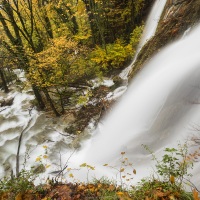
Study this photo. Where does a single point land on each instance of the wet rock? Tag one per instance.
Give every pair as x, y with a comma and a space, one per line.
118, 81
71, 129
7, 166
6, 102
39, 169
175, 2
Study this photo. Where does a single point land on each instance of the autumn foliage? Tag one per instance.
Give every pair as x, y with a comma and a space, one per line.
61, 45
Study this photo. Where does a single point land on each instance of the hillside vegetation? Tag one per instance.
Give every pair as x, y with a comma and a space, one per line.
61, 45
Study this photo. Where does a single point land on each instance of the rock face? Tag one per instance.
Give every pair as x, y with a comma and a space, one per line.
175, 1
178, 16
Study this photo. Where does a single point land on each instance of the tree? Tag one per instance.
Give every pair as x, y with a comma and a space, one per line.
61, 66
3, 79
6, 65
53, 40
17, 32
111, 20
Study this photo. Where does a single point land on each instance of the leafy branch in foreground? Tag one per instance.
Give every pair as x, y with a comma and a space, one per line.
174, 164
124, 171
15, 186
172, 170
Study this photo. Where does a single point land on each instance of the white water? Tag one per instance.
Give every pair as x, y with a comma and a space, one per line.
152, 21
149, 31
13, 120
37, 130
160, 109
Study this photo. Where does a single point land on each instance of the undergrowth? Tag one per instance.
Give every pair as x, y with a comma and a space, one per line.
167, 182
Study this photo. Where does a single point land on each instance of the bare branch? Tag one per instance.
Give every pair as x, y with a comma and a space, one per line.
19, 145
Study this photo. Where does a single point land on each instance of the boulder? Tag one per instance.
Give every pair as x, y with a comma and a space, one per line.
7, 102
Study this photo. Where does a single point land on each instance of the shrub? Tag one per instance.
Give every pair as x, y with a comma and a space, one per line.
172, 170
17, 184
136, 36
113, 57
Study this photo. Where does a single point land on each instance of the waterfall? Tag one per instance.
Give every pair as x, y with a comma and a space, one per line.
149, 31
152, 21
15, 118
160, 108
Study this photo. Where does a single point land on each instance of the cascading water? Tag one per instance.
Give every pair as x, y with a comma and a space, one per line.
38, 130
160, 109
152, 22
21, 118
149, 31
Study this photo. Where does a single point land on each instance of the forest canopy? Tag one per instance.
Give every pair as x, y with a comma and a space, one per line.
61, 44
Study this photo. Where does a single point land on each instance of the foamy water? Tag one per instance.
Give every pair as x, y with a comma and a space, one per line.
160, 109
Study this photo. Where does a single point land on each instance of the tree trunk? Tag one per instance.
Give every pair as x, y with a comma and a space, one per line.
51, 102
38, 97
74, 22
19, 146
61, 101
6, 90
93, 26
48, 27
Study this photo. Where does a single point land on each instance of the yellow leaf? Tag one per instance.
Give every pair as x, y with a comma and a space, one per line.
123, 153
134, 171
91, 167
71, 175
172, 179
99, 185
171, 197
38, 159
83, 165
18, 197
120, 193
122, 169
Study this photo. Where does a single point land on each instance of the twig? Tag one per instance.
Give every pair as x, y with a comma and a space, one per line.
3, 109
65, 166
19, 145
192, 184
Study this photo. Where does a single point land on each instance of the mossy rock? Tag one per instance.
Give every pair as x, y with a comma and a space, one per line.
71, 129
117, 82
